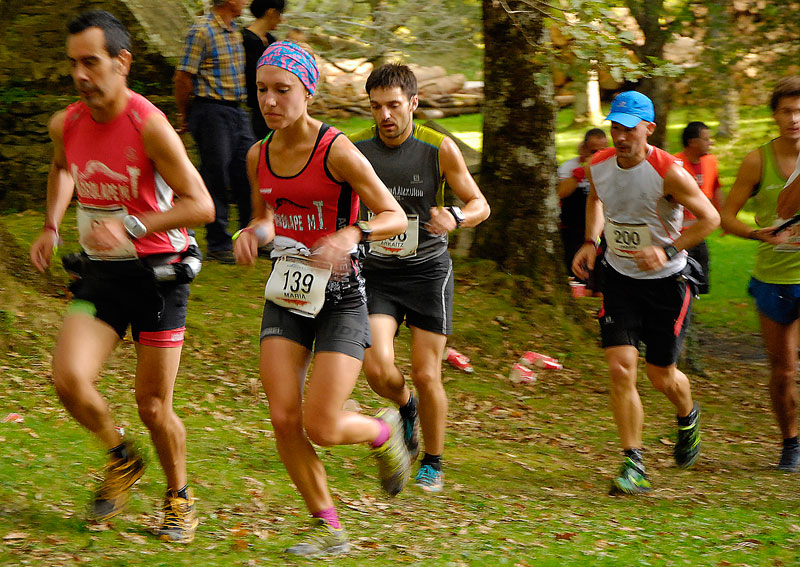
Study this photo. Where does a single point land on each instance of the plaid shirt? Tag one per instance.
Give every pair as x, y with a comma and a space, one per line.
214, 54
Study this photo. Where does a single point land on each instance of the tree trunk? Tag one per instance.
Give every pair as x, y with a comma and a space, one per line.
729, 115
595, 112
581, 105
649, 14
518, 168
656, 88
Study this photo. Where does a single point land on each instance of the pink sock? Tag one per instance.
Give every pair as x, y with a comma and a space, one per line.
330, 516
383, 435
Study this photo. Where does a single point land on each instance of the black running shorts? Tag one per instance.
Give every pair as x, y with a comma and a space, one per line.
655, 312
422, 295
127, 293
334, 329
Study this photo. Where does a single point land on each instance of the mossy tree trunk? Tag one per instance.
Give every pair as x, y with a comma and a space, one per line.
518, 169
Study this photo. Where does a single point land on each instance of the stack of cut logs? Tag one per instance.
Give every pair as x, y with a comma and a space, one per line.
341, 92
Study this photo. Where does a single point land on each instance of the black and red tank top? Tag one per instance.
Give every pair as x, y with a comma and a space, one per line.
312, 204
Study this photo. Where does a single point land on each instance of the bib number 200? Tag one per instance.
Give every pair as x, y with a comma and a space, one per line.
626, 238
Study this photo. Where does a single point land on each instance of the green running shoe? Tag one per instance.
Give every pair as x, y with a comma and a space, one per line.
429, 479
323, 539
180, 518
119, 475
687, 449
631, 479
394, 467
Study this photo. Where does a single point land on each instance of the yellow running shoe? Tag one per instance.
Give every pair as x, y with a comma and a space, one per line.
323, 539
394, 466
119, 475
180, 519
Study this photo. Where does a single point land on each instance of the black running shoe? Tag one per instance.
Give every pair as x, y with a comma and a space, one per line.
411, 433
687, 449
790, 459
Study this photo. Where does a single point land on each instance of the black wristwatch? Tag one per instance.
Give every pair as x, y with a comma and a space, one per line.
670, 251
366, 230
457, 214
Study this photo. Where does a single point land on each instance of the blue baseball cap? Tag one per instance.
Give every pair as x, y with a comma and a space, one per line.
630, 108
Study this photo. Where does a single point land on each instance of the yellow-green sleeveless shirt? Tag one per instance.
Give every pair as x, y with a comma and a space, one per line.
771, 266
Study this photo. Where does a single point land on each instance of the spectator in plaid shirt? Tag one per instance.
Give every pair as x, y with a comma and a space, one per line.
210, 91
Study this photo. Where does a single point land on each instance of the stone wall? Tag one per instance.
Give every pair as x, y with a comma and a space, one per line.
35, 80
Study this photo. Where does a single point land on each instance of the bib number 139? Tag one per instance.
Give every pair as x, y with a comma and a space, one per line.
298, 285
294, 281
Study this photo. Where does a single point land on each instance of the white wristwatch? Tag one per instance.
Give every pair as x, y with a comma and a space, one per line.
135, 227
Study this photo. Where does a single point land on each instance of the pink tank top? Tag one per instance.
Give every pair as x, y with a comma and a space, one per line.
112, 172
311, 204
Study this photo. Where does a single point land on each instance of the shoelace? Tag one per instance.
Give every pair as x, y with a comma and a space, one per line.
115, 479
427, 474
175, 510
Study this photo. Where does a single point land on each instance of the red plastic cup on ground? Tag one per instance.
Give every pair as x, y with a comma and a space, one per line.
521, 374
541, 361
579, 289
458, 360
12, 418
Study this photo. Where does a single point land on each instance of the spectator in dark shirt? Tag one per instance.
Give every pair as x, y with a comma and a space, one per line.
256, 36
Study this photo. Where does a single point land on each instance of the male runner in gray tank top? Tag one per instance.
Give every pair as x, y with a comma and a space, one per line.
410, 277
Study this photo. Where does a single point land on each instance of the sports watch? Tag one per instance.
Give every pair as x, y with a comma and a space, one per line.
366, 230
457, 214
670, 251
135, 227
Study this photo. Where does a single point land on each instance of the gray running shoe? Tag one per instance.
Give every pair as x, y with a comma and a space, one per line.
394, 467
323, 539
119, 475
790, 459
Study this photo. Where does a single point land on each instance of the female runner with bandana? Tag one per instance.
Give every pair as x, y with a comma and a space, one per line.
307, 179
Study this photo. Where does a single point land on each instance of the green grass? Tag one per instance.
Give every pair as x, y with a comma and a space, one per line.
527, 466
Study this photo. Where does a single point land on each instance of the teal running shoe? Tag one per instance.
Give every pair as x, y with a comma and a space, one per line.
429, 479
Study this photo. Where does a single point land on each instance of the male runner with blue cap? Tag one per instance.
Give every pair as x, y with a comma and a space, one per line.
636, 199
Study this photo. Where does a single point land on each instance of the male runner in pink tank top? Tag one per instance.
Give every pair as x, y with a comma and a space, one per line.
124, 159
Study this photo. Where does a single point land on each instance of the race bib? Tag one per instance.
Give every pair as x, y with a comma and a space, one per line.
298, 285
88, 217
793, 244
403, 245
625, 239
